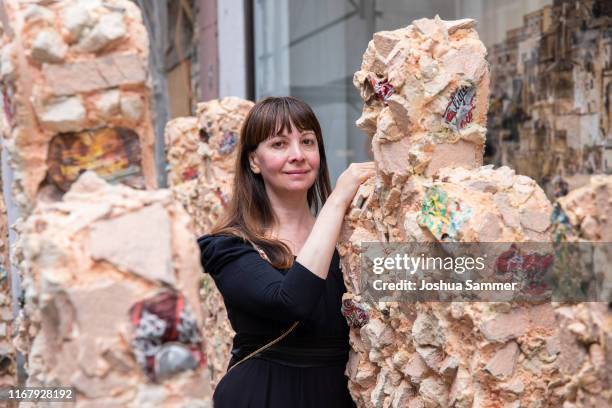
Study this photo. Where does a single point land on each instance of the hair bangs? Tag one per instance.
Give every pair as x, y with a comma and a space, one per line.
288, 113
250, 213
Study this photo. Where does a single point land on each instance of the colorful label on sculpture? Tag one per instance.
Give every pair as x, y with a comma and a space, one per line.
460, 108
442, 215
166, 338
228, 143
562, 228
190, 173
113, 153
382, 89
355, 314
528, 267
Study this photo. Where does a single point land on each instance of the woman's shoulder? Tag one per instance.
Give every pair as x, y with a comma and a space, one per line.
219, 240
216, 250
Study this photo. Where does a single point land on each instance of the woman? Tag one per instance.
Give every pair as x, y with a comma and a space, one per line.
281, 179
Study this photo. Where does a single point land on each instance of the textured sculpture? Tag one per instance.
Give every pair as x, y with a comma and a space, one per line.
425, 92
587, 210
201, 154
111, 295
8, 368
74, 80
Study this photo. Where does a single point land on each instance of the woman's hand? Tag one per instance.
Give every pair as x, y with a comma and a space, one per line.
349, 181
317, 251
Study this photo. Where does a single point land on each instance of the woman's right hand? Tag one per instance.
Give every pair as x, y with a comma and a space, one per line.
317, 251
349, 181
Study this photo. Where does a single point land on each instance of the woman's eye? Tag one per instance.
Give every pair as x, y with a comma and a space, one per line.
309, 142
278, 144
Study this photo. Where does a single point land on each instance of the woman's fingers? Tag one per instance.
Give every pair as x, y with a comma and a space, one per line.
365, 170
366, 175
349, 181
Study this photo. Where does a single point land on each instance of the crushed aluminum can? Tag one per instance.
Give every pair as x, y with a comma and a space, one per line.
382, 89
355, 314
529, 268
458, 113
173, 358
442, 215
190, 173
162, 323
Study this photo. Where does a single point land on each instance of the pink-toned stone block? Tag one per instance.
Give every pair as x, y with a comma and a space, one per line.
425, 92
75, 73
111, 298
425, 86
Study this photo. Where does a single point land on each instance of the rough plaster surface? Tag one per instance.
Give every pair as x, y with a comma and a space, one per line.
8, 369
69, 67
469, 354
91, 259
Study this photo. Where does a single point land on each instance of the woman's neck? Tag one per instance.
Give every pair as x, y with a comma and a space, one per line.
294, 219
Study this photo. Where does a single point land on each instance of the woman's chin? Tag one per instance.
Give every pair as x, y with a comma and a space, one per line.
297, 188
294, 187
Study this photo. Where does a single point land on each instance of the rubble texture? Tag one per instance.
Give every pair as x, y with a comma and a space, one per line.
8, 369
412, 77
74, 81
201, 155
588, 210
201, 152
460, 354
550, 104
111, 296
583, 215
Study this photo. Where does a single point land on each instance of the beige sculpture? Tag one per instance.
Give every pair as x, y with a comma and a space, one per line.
74, 79
412, 77
8, 368
588, 209
112, 298
201, 154
425, 89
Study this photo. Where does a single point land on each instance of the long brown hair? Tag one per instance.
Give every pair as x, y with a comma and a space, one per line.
250, 213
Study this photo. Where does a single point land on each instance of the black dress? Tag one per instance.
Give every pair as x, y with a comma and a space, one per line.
306, 368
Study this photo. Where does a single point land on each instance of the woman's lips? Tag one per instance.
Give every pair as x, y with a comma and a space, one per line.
297, 172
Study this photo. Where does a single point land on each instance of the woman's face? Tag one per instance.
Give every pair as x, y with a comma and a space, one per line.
288, 161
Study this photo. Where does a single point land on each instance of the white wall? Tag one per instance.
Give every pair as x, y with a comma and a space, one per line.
272, 75
232, 48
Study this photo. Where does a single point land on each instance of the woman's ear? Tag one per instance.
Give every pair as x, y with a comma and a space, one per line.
254, 163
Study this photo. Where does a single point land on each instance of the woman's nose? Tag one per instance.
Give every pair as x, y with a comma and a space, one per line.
295, 152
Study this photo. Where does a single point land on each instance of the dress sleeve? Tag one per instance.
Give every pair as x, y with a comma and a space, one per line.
250, 283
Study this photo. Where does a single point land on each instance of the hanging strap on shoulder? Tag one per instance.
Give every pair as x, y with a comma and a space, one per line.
270, 344
263, 254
